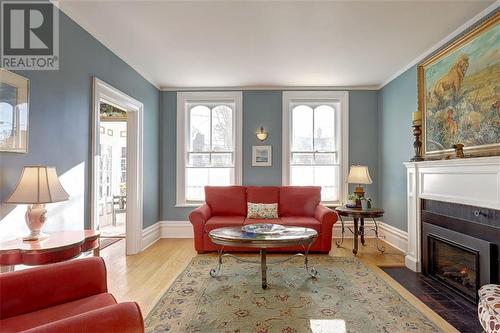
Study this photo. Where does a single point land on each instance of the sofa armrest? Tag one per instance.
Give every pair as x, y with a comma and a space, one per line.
198, 218
117, 318
45, 286
327, 218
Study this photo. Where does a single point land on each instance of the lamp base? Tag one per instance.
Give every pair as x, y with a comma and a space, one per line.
35, 217
35, 237
360, 193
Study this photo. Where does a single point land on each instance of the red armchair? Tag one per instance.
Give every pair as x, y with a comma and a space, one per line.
65, 297
297, 206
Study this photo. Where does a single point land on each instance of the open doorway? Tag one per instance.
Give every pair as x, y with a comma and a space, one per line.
116, 190
112, 192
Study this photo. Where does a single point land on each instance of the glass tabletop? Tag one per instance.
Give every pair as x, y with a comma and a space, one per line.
290, 234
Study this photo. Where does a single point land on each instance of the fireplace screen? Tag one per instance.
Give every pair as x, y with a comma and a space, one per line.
454, 265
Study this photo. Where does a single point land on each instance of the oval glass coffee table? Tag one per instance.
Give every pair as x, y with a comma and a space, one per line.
291, 236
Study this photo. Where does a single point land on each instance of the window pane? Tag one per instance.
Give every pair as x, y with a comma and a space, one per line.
199, 131
324, 128
327, 178
196, 179
302, 128
198, 160
325, 158
301, 175
220, 176
219, 160
301, 158
222, 128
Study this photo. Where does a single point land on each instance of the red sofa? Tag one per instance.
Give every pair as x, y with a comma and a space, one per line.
297, 206
65, 297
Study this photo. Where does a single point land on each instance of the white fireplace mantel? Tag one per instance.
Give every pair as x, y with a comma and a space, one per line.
469, 181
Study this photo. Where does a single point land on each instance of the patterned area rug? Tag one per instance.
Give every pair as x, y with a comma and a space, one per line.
346, 297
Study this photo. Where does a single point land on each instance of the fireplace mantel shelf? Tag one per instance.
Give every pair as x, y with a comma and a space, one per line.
468, 181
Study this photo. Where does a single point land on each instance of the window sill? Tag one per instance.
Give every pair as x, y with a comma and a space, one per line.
188, 205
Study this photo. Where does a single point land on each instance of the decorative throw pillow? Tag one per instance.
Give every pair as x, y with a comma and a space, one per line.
262, 211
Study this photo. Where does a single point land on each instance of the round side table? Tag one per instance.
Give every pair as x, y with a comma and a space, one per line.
359, 215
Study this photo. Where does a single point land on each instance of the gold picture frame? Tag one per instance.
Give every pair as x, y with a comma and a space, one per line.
459, 94
14, 112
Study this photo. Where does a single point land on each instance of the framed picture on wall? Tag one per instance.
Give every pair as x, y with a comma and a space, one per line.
14, 103
262, 156
458, 92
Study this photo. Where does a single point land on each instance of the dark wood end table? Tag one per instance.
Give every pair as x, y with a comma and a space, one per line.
359, 215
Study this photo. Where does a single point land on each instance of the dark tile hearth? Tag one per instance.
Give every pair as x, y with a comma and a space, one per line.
456, 310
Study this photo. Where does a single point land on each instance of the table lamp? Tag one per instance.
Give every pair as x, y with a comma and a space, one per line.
359, 174
38, 185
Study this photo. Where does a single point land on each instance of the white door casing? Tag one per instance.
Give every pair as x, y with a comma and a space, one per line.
135, 115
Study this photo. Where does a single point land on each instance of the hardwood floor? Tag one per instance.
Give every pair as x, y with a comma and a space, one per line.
145, 277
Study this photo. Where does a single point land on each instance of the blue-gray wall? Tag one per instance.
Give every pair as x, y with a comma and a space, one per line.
397, 101
60, 116
264, 108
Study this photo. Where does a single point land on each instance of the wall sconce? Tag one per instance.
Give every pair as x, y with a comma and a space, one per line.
262, 135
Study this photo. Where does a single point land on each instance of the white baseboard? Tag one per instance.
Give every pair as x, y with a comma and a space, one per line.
150, 235
183, 229
393, 236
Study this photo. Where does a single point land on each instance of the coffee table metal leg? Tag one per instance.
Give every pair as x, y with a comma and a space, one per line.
263, 267
310, 270
215, 271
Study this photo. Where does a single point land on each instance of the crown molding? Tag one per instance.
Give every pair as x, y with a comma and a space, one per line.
490, 9
240, 88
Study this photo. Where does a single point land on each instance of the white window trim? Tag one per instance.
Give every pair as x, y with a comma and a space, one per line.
341, 97
183, 98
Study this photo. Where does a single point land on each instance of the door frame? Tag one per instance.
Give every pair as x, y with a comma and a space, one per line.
135, 120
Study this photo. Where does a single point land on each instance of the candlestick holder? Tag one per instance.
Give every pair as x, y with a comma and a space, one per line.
417, 145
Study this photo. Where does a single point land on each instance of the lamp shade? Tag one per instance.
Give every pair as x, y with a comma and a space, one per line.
359, 174
38, 185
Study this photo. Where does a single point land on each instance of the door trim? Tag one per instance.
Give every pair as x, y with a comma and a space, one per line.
135, 119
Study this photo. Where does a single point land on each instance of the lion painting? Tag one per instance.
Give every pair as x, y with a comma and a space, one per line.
453, 80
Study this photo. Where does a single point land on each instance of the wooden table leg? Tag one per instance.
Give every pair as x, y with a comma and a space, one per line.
263, 267
356, 233
97, 251
362, 230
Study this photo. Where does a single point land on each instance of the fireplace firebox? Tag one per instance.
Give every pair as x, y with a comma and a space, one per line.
460, 251
454, 265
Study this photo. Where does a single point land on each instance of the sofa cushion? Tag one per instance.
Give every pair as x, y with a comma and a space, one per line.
61, 311
301, 221
298, 200
226, 200
263, 194
262, 210
223, 221
254, 221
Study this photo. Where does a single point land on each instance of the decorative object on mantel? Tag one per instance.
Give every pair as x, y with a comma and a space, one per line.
459, 150
458, 93
359, 174
261, 134
38, 185
14, 101
417, 131
262, 156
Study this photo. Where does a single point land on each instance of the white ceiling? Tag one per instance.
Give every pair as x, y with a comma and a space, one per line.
188, 44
